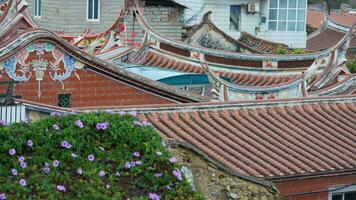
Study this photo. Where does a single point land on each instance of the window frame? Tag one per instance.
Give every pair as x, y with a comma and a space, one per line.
93, 11
343, 190
296, 21
239, 21
37, 8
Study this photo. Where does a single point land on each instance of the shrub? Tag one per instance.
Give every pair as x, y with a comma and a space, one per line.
351, 65
88, 156
298, 51
281, 50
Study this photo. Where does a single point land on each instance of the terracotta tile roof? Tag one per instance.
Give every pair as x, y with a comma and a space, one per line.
272, 139
315, 18
157, 60
259, 45
325, 39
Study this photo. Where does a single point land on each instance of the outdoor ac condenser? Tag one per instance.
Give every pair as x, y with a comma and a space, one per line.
253, 7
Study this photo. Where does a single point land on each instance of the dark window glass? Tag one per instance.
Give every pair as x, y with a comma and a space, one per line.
337, 197
235, 12
90, 9
64, 100
96, 9
350, 196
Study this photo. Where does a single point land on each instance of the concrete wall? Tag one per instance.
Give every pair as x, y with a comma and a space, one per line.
221, 17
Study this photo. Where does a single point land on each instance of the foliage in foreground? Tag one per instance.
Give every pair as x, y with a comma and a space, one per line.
88, 156
351, 65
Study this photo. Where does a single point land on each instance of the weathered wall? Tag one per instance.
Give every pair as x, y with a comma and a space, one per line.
70, 17
312, 188
219, 185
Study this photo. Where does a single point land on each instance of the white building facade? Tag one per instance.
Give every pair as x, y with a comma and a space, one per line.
282, 21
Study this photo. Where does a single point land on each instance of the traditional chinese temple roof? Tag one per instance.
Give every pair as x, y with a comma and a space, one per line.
15, 44
246, 41
273, 139
316, 18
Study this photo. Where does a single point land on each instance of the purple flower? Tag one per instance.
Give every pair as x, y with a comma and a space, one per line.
122, 113
158, 153
74, 155
66, 144
2, 196
110, 111
136, 154
14, 172
29, 143
101, 173
80, 171
46, 170
172, 160
133, 113
55, 127
54, 114
23, 165
108, 186
55, 163
128, 165
102, 126
23, 182
154, 196
177, 174
2, 122
138, 162
46, 164
12, 152
158, 175
91, 157
79, 124
21, 159
61, 188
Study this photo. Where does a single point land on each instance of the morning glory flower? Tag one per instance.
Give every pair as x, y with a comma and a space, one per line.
172, 160
79, 124
133, 113
55, 163
2, 196
91, 157
66, 144
46, 170
23, 165
108, 186
14, 172
177, 174
61, 188
136, 154
54, 114
102, 126
12, 152
128, 165
29, 143
22, 182
122, 113
55, 127
21, 159
101, 173
154, 196
138, 162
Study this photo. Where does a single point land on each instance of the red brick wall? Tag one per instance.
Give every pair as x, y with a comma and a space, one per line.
91, 90
319, 185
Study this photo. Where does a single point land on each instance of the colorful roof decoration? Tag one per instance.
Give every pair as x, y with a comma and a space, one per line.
267, 139
207, 34
42, 54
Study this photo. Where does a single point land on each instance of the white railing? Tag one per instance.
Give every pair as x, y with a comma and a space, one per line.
12, 114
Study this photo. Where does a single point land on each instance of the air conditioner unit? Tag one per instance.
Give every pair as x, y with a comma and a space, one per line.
253, 7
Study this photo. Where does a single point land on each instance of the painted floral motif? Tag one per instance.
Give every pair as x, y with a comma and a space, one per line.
59, 66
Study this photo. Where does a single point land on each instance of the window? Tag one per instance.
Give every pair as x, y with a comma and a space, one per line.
93, 10
287, 15
38, 10
235, 12
64, 100
344, 193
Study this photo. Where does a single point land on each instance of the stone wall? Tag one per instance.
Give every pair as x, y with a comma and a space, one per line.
217, 184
